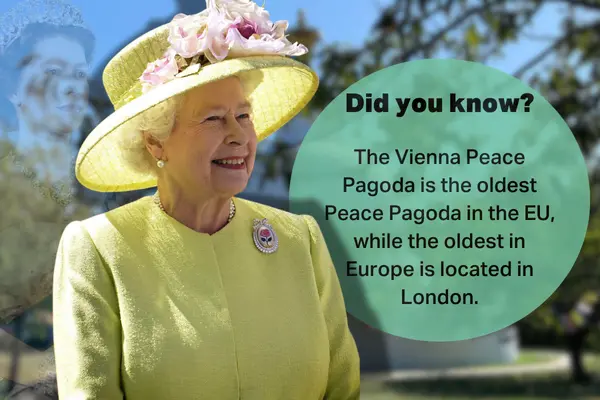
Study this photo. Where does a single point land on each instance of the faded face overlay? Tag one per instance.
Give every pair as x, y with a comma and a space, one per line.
52, 92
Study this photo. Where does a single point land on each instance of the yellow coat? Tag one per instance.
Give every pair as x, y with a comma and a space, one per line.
146, 308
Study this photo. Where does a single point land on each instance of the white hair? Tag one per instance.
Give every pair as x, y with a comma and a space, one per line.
157, 121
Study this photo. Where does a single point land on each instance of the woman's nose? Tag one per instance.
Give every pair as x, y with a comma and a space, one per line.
236, 134
73, 88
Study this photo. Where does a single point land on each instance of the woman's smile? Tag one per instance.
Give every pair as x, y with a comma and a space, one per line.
230, 163
241, 275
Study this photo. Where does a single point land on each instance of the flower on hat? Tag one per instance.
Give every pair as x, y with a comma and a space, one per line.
185, 37
161, 70
226, 27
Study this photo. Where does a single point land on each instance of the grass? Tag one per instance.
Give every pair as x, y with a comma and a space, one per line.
532, 357
547, 386
525, 358
544, 386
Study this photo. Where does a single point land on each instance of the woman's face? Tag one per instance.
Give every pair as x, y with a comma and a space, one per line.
213, 144
53, 89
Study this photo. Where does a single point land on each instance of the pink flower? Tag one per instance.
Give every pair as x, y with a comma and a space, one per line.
245, 27
217, 48
160, 71
253, 33
265, 233
187, 35
246, 9
234, 28
255, 44
262, 44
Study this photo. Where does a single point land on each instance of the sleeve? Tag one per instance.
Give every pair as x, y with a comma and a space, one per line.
87, 335
344, 369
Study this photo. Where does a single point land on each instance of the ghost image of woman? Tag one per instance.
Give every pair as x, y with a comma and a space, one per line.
50, 96
45, 51
45, 93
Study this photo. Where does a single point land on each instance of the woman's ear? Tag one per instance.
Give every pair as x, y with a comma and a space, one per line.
154, 146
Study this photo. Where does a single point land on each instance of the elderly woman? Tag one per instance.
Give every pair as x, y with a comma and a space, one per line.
194, 293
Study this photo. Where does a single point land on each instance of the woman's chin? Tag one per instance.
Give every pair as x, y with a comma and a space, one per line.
230, 187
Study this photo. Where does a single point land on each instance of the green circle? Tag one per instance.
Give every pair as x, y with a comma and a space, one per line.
476, 305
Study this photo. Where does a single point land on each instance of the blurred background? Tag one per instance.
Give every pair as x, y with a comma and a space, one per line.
553, 45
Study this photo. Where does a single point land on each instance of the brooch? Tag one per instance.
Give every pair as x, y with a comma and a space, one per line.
264, 236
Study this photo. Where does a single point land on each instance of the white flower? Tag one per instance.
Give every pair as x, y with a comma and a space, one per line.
251, 31
262, 44
160, 71
187, 34
246, 9
217, 47
227, 27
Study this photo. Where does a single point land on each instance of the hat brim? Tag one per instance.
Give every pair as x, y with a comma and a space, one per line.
277, 94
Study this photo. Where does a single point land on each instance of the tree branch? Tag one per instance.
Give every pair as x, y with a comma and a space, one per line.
519, 30
539, 57
593, 4
540, 38
429, 44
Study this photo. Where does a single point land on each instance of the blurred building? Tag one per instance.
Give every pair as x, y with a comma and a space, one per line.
497, 348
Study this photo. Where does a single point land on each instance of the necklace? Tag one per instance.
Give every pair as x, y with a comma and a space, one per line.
229, 218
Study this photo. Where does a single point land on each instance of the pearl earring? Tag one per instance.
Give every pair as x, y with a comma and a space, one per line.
160, 163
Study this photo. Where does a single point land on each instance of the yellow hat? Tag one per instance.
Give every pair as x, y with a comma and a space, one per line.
230, 37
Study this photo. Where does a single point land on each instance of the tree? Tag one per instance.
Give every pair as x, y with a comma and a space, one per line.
34, 215
565, 69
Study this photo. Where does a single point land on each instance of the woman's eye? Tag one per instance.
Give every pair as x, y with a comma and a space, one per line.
244, 116
213, 118
52, 71
81, 75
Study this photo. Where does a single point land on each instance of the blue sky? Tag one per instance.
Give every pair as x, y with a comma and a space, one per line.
347, 21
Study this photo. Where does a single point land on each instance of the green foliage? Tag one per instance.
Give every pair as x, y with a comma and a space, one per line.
565, 69
472, 36
31, 223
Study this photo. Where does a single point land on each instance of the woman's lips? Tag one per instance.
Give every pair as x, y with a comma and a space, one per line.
231, 163
72, 108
